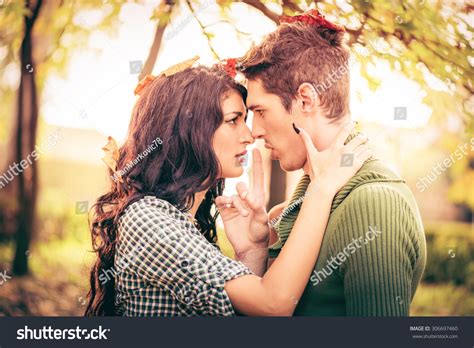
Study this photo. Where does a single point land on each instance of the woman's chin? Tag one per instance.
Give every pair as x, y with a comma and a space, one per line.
233, 172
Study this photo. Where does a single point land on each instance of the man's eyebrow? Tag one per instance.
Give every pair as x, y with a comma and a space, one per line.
252, 107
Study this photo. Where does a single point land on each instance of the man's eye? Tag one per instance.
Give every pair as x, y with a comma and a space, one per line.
260, 112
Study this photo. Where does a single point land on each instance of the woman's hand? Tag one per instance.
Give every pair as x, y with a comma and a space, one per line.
244, 216
333, 167
278, 291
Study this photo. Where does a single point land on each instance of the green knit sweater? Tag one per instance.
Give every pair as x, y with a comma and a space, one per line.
373, 252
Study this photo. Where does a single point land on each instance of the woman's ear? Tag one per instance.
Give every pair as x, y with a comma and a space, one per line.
307, 98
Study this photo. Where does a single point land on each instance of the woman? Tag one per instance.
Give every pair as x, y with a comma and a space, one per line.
155, 229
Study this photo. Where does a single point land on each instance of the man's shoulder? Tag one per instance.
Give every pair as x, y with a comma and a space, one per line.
380, 196
371, 180
382, 204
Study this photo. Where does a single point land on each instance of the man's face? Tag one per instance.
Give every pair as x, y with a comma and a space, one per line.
273, 123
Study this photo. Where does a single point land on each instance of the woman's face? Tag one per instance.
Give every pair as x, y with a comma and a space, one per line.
232, 137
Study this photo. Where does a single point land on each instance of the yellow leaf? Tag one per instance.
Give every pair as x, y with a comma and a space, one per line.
180, 66
111, 154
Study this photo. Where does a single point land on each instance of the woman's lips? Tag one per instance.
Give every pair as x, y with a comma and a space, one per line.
243, 153
242, 158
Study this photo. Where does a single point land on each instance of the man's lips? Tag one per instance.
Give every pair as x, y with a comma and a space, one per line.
273, 153
268, 147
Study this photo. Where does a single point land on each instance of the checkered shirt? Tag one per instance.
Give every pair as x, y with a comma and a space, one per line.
165, 267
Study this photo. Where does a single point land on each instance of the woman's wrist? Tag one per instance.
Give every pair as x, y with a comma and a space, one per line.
322, 187
253, 248
251, 253
254, 259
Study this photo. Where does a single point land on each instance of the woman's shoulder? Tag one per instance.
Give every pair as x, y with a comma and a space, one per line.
151, 211
152, 205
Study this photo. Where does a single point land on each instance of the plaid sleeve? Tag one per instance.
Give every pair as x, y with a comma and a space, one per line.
170, 253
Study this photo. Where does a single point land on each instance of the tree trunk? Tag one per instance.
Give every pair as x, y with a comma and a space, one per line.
27, 120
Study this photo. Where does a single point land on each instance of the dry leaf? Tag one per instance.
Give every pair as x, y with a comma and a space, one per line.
180, 66
111, 154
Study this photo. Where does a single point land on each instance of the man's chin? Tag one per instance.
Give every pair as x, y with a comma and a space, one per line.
288, 167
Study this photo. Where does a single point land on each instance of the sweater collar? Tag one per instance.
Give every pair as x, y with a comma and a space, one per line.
373, 170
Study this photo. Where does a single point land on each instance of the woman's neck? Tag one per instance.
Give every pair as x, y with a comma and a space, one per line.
198, 198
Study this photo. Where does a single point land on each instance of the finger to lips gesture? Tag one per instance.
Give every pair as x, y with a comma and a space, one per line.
246, 200
244, 216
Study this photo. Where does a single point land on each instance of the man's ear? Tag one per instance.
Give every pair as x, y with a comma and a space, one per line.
307, 98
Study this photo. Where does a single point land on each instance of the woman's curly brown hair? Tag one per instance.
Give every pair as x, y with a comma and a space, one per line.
183, 111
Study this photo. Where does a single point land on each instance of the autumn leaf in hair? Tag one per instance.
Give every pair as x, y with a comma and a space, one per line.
180, 66
312, 17
229, 65
168, 72
111, 156
143, 83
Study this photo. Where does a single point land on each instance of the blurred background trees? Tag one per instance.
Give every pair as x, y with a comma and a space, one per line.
428, 42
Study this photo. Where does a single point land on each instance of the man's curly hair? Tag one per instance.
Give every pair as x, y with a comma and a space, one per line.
296, 53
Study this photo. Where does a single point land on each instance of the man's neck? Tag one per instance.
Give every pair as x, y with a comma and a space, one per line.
306, 168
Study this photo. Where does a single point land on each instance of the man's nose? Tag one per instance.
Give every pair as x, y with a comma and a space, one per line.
257, 130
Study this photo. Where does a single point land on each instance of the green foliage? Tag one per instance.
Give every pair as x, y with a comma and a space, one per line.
461, 173
442, 300
433, 37
61, 28
450, 247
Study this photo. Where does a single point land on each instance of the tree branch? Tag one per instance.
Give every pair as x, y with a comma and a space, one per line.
231, 24
30, 21
290, 5
48, 56
155, 46
203, 28
262, 8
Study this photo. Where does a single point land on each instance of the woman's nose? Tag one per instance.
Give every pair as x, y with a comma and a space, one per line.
247, 136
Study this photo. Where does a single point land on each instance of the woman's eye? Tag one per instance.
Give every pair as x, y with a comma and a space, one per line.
233, 121
260, 112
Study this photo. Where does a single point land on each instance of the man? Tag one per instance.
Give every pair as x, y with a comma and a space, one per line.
374, 249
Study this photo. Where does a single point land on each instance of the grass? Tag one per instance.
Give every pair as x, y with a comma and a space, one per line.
442, 300
59, 265
57, 284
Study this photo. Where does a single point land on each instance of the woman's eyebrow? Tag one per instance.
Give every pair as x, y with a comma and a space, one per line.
238, 113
